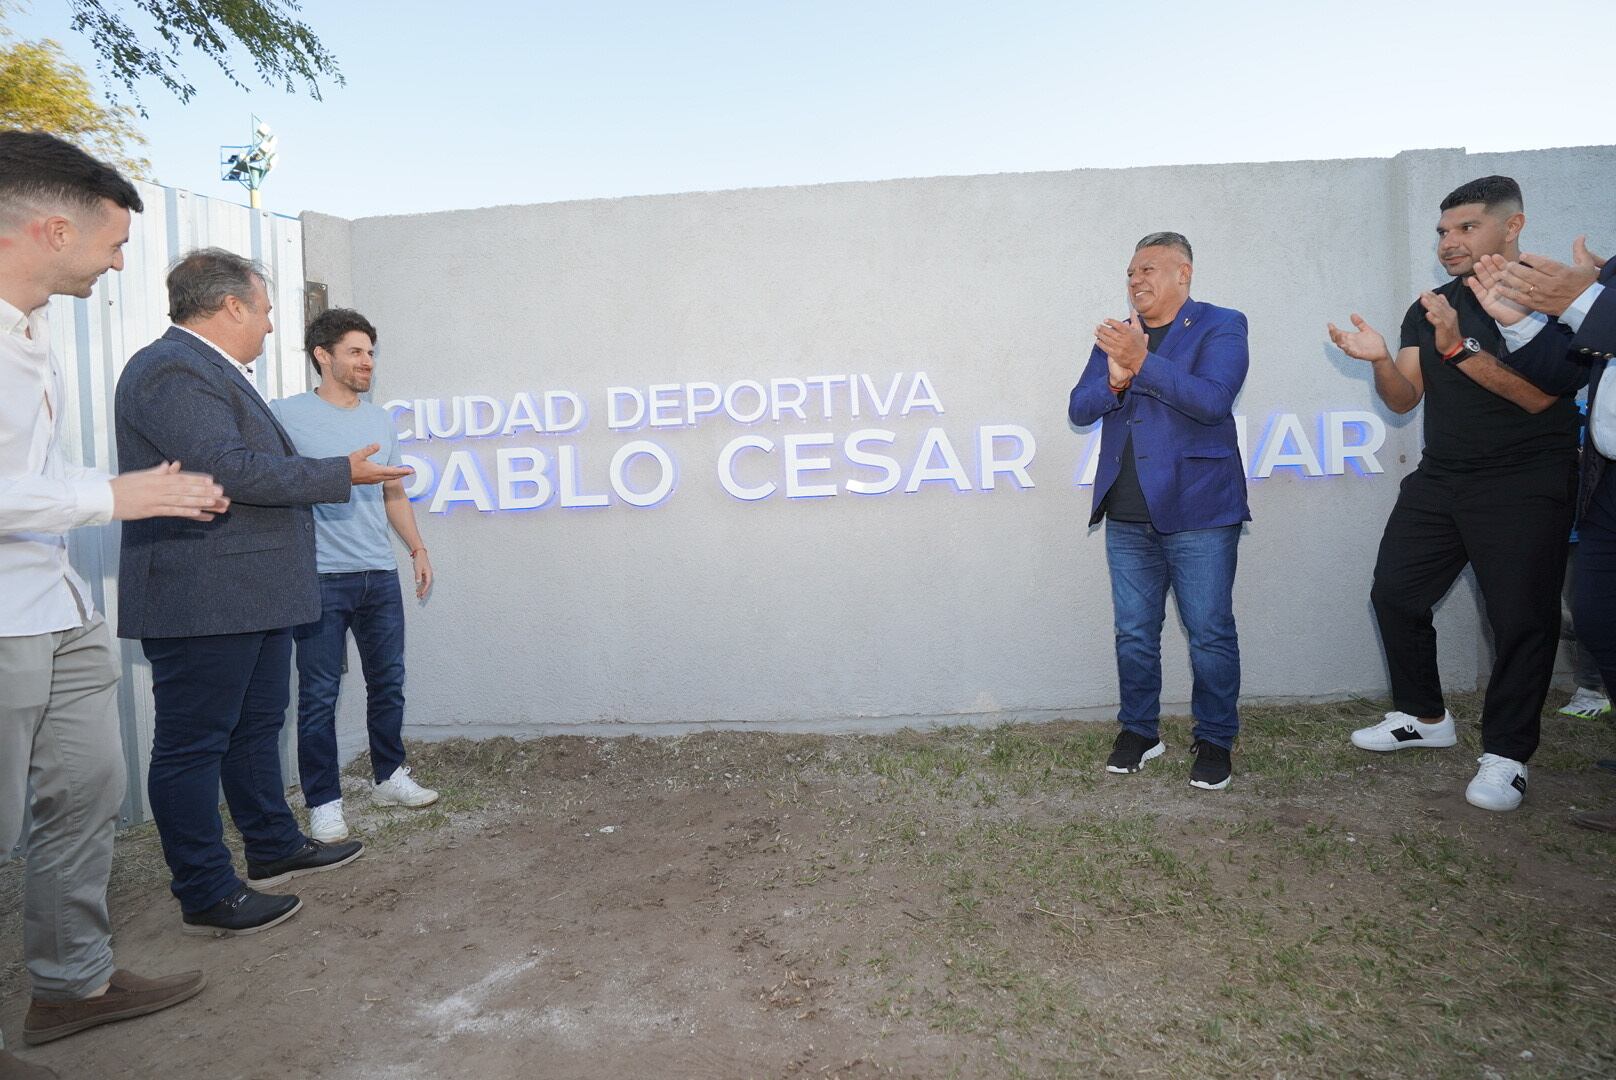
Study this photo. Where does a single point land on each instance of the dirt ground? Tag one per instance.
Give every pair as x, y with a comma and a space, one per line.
960, 903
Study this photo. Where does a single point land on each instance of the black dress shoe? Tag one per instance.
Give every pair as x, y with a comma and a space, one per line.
242, 912
310, 859
1608, 764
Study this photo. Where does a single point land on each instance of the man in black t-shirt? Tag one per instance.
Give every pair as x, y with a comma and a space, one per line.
1494, 489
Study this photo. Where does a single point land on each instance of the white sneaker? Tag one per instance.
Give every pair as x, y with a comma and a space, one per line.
326, 823
1499, 783
1586, 704
1400, 731
400, 790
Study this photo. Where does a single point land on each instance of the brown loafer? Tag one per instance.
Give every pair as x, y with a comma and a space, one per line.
1602, 820
12, 1068
127, 995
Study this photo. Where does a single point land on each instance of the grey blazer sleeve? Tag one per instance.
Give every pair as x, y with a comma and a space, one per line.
190, 420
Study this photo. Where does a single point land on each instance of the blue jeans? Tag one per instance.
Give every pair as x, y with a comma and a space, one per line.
220, 702
1199, 564
370, 603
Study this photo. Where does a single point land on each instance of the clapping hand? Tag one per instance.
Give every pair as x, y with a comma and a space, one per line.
1540, 283
1125, 346
1487, 285
1440, 314
1364, 343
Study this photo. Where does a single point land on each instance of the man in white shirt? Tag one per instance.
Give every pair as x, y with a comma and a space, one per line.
64, 218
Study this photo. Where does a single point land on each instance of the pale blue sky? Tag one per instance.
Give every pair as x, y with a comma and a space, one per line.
480, 103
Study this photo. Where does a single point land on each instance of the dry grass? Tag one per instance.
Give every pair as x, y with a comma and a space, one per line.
1333, 913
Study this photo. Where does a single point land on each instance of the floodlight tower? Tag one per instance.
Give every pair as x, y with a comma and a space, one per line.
248, 165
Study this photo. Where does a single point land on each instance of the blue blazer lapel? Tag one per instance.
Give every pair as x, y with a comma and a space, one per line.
1183, 323
232, 371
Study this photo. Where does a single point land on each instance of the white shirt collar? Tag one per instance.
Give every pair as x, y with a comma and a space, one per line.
22, 323
246, 368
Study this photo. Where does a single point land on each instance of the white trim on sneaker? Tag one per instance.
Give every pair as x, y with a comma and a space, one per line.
1500, 783
1400, 731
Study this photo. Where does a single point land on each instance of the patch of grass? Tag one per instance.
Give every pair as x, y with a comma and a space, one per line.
1356, 937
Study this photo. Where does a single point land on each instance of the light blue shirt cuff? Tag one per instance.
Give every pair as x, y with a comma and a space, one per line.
1520, 333
1579, 308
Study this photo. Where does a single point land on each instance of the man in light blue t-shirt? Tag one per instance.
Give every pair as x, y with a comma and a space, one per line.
359, 588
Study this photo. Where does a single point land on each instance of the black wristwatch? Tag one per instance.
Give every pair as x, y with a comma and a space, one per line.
1467, 348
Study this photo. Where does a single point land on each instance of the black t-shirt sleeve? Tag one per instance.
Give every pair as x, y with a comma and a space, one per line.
1413, 322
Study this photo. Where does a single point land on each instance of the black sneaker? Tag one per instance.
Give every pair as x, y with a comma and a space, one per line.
311, 859
242, 912
1211, 769
1130, 752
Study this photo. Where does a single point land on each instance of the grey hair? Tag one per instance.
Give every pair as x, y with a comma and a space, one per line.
201, 280
1172, 240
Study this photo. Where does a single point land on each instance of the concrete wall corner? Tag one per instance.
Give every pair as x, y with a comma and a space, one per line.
328, 255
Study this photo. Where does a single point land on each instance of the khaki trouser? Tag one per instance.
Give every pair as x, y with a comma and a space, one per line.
59, 730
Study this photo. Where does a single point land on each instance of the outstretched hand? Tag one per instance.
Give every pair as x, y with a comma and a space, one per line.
1364, 343
165, 491
361, 470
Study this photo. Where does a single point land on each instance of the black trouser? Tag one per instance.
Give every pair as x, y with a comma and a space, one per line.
1593, 601
1513, 527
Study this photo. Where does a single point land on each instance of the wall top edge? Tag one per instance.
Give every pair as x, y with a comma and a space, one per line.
945, 178
185, 193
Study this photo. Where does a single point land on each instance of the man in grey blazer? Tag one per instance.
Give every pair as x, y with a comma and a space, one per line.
213, 603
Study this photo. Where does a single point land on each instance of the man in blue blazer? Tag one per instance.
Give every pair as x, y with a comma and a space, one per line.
1580, 299
1172, 489
213, 603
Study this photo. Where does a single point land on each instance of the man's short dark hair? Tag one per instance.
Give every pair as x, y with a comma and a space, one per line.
330, 327
1492, 192
1172, 240
39, 172
201, 281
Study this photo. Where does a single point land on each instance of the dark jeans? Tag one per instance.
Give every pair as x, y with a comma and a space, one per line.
220, 701
371, 604
1593, 606
1584, 668
1199, 565
1513, 528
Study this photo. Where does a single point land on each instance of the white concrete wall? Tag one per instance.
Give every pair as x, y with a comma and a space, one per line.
859, 611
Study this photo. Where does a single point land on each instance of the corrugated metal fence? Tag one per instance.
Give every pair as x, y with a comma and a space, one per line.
94, 338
